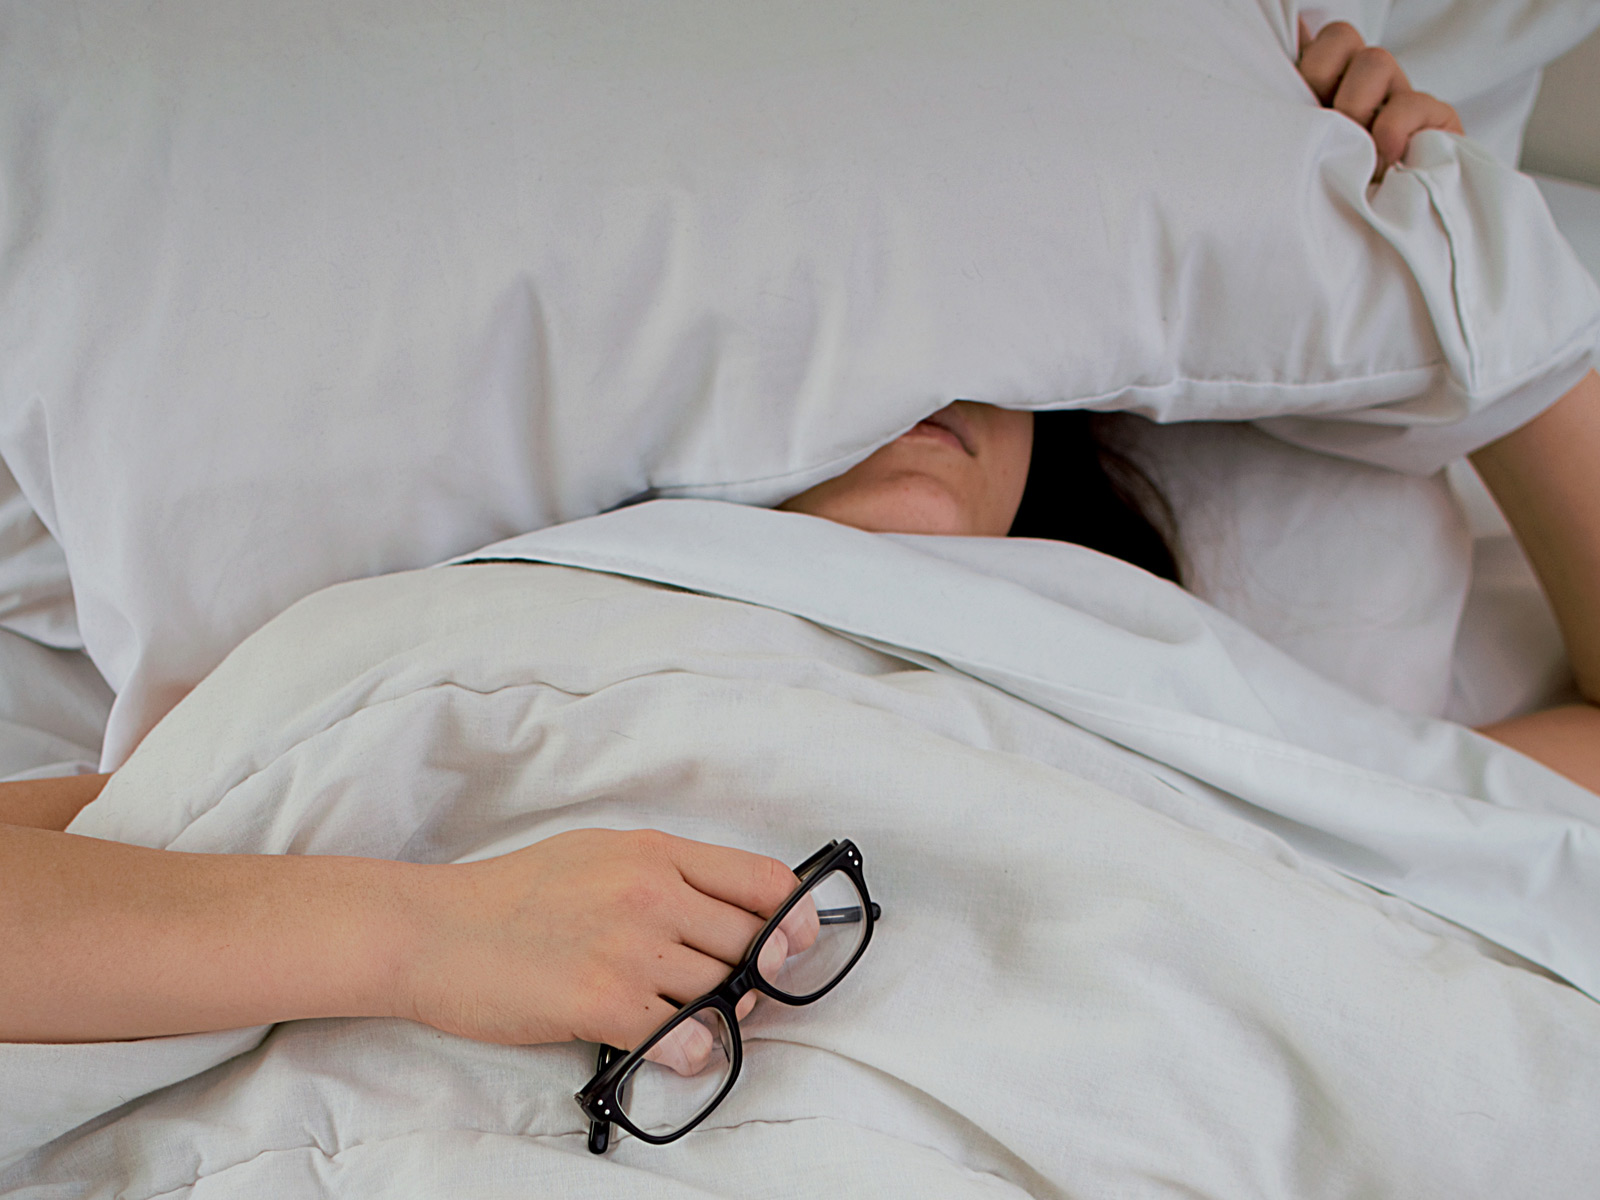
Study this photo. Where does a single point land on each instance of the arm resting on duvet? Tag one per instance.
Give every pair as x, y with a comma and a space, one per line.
48, 803
1546, 478
102, 940
590, 934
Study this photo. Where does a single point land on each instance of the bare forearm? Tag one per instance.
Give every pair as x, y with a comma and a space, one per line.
589, 934
1546, 478
106, 941
48, 803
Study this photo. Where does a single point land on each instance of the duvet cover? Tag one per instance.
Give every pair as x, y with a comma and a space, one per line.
1102, 968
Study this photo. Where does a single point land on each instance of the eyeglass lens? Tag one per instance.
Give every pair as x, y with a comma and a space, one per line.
823, 932
683, 1075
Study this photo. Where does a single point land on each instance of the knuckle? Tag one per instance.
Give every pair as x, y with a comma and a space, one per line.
1397, 122
648, 843
1390, 116
1341, 33
777, 881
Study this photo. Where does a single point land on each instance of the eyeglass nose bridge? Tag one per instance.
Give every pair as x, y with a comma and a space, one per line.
743, 983
751, 979
728, 995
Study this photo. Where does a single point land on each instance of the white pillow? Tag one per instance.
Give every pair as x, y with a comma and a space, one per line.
53, 705
1357, 571
297, 292
35, 588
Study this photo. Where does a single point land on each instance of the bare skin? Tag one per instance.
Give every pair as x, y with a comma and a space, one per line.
1543, 477
1366, 84
960, 472
48, 803
594, 934
590, 934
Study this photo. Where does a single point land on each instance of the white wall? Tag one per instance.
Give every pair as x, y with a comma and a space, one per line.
1564, 132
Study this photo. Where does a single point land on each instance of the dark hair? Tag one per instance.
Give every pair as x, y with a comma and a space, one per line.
1082, 488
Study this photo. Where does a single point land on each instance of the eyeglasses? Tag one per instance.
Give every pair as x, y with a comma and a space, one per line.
827, 922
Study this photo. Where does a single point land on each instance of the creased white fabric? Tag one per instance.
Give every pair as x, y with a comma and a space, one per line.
298, 293
1085, 982
1421, 808
53, 706
35, 588
1358, 572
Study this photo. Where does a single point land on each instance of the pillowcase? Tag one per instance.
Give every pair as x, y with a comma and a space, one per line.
303, 292
53, 705
35, 589
1359, 572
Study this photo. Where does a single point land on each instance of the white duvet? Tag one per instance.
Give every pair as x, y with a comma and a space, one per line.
1096, 973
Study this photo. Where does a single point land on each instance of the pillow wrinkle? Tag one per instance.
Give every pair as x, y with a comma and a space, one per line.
322, 294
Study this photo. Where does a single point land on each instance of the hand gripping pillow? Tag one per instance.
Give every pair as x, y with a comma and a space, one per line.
301, 292
1485, 57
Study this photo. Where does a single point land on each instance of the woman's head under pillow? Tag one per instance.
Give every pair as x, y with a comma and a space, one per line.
976, 470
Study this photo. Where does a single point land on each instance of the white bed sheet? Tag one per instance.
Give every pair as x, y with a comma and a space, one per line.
1196, 1007
1422, 809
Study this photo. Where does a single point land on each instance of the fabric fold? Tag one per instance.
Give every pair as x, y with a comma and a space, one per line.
1422, 809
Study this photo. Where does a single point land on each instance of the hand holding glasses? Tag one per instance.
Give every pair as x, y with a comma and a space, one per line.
670, 1082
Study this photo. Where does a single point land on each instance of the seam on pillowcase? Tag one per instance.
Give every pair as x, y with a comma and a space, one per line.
659, 490
1458, 302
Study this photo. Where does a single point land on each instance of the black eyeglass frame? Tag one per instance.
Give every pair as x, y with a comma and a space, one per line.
598, 1098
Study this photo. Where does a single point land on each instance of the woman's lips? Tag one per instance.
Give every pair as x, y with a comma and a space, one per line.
946, 427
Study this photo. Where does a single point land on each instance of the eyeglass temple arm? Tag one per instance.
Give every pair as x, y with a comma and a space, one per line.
845, 916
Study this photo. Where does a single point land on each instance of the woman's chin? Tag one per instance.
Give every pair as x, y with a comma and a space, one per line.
907, 504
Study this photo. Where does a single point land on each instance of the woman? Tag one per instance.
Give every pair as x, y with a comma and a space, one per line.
593, 934
1047, 475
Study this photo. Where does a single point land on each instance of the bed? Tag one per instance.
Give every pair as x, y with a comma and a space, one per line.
1250, 919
